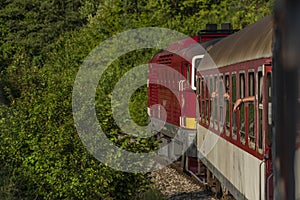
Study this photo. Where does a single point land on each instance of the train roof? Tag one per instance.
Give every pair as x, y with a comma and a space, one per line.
188, 52
198, 48
251, 43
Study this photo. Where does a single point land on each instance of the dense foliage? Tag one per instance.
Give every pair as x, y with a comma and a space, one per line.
42, 45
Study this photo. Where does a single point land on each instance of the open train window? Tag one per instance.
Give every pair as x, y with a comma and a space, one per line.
221, 103
233, 99
215, 102
198, 94
260, 111
242, 109
227, 102
269, 109
202, 98
202, 94
211, 102
251, 111
207, 101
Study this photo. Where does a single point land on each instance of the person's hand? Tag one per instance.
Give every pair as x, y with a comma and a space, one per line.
214, 94
237, 104
227, 96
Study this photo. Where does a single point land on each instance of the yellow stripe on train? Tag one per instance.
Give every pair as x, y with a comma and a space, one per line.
190, 123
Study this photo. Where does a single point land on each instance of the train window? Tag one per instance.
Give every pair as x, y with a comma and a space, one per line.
260, 87
198, 94
202, 100
251, 84
211, 102
242, 109
227, 101
196, 62
251, 111
198, 91
188, 74
194, 78
211, 86
202, 88
242, 85
207, 100
233, 99
269, 109
215, 102
221, 103
260, 111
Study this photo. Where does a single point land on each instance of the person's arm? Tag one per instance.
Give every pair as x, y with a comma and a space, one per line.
242, 100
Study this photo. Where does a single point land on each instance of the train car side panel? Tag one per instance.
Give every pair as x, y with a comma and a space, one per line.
236, 169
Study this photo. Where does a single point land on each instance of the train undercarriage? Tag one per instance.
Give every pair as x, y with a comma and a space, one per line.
184, 151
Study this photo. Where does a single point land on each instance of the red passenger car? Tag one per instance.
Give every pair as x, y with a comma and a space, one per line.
234, 127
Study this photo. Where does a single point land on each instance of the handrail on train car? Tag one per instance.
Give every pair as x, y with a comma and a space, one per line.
260, 177
268, 186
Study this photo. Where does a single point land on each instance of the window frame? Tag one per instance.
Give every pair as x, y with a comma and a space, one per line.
251, 139
242, 110
260, 110
232, 100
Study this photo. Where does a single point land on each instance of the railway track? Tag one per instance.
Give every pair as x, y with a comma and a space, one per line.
175, 184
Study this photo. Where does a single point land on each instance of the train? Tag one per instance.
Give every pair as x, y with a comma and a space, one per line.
224, 109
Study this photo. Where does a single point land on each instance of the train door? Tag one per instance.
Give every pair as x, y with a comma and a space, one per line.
184, 85
264, 129
197, 82
188, 97
188, 117
268, 130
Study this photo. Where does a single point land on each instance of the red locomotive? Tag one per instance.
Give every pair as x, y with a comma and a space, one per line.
181, 114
